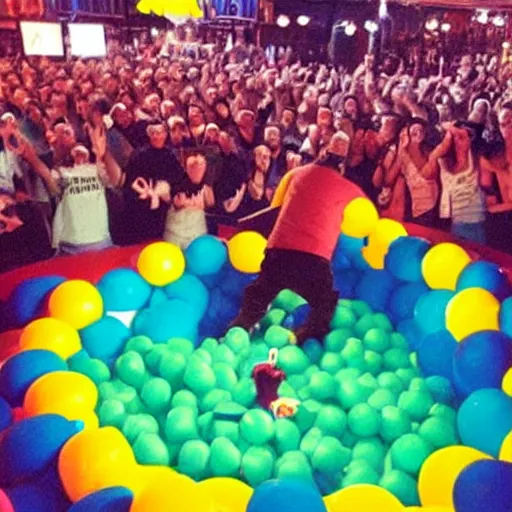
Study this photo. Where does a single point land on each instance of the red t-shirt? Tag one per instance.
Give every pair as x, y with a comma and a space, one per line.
312, 210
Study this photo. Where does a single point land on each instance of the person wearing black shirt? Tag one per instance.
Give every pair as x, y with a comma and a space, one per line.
135, 132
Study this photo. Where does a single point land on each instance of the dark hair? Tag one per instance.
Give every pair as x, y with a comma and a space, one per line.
101, 105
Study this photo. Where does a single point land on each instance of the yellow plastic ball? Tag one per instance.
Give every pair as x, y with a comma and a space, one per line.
472, 310
246, 251
77, 303
359, 218
374, 255
386, 231
506, 448
69, 394
506, 384
161, 263
94, 459
362, 498
429, 509
443, 264
228, 494
184, 495
51, 334
440, 471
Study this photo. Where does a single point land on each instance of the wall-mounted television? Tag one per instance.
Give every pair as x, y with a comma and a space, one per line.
87, 39
236, 8
42, 38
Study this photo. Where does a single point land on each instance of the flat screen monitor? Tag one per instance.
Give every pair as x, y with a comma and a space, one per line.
236, 8
87, 39
42, 38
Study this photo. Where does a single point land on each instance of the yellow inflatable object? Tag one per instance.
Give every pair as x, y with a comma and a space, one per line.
77, 303
161, 263
94, 459
69, 394
359, 218
506, 384
429, 509
228, 494
375, 255
174, 8
246, 251
363, 498
506, 448
443, 264
472, 310
51, 334
386, 231
440, 471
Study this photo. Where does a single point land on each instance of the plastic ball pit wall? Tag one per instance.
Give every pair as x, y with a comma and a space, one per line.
408, 405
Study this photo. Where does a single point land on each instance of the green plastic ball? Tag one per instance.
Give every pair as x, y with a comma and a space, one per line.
391, 381
409, 452
297, 381
349, 439
295, 469
149, 449
373, 362
95, 369
225, 376
394, 423
351, 392
258, 465
203, 355
193, 459
376, 339
331, 363
135, 424
199, 377
438, 433
353, 350
112, 413
310, 441
382, 322
371, 450
398, 341
311, 370
227, 429
156, 395
406, 375
441, 389
359, 472
214, 397
185, 347
307, 414
288, 301
401, 485
314, 351
335, 341
287, 436
363, 325
330, 456
140, 344
237, 339
180, 425
172, 368
416, 404
153, 357
363, 420
223, 354
209, 344
332, 421
130, 368
382, 397
225, 458
418, 384
205, 426
322, 386
244, 392
278, 337
445, 412
257, 427
273, 317
343, 317
292, 360
286, 391
361, 308
396, 358
185, 398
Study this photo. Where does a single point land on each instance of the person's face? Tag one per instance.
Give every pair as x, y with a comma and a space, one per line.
122, 117
212, 134
152, 103
211, 95
223, 89
178, 133
157, 136
226, 142
13, 80
176, 71
195, 116
288, 118
246, 119
222, 110
324, 118
58, 100
505, 122
196, 168
479, 113
65, 135
34, 114
262, 157
20, 96
168, 109
339, 146
127, 101
350, 108
389, 127
417, 133
461, 139
273, 138
311, 97
80, 156
110, 86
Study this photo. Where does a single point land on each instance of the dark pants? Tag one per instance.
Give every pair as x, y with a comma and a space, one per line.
306, 274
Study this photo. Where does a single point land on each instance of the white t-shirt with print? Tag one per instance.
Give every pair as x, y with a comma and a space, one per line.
9, 167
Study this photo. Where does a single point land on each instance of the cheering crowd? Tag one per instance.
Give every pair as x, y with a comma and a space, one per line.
154, 144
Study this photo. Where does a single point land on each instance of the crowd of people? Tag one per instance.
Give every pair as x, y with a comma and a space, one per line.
150, 144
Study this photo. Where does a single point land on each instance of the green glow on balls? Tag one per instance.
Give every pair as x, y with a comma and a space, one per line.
409, 452
363, 420
225, 458
258, 464
257, 427
151, 450
193, 459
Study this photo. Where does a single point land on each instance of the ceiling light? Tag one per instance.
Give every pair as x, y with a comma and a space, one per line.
350, 29
432, 24
154, 32
506, 45
498, 21
371, 26
482, 16
283, 21
383, 9
445, 27
303, 20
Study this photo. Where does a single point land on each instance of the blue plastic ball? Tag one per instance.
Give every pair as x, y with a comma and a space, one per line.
506, 316
105, 338
158, 296
345, 282
111, 499
286, 495
27, 299
375, 288
206, 255
22, 369
191, 290
404, 298
411, 332
405, 256
29, 446
486, 275
30, 497
297, 317
5, 414
429, 312
435, 354
346, 250
481, 361
484, 486
123, 289
171, 319
484, 420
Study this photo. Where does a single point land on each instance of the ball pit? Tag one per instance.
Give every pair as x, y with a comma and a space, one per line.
128, 396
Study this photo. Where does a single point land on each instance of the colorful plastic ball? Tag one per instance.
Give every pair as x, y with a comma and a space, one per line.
404, 299
246, 251
409, 452
430, 310
506, 316
95, 459
435, 354
481, 361
386, 231
33, 496
161, 263
76, 302
486, 275
257, 427
123, 289
286, 495
5, 502
443, 264
189, 289
22, 369
506, 383
401, 485
53, 335
405, 256
150, 449
409, 329
108, 328
374, 255
484, 420
228, 494
26, 301
472, 310
440, 472
345, 282
363, 498
375, 288
29, 446
359, 218
206, 255
69, 394
6, 414
483, 486
111, 499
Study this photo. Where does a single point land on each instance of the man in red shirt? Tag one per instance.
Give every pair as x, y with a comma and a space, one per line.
300, 247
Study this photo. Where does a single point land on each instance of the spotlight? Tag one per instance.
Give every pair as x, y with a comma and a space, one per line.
371, 26
303, 20
506, 45
432, 24
154, 32
498, 21
350, 29
383, 9
283, 21
482, 16
445, 27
